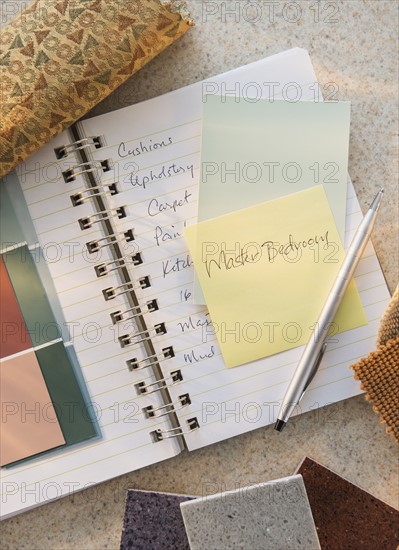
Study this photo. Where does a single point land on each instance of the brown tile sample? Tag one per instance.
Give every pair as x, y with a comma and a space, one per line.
345, 515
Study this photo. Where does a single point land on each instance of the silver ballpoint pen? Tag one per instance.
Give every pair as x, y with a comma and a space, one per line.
315, 348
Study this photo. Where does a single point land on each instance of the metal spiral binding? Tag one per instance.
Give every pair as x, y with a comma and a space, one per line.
87, 194
86, 168
97, 192
160, 435
135, 364
104, 268
150, 411
78, 145
111, 292
142, 387
129, 339
119, 316
110, 240
89, 221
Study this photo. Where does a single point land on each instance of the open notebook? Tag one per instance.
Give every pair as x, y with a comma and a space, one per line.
124, 279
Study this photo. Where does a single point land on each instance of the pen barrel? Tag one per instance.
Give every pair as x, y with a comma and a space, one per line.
352, 258
306, 366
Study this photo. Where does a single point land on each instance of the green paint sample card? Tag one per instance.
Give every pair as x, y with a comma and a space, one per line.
31, 295
74, 413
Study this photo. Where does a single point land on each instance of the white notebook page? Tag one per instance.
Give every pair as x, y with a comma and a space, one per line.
159, 188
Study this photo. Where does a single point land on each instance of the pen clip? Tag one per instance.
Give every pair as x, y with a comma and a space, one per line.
314, 369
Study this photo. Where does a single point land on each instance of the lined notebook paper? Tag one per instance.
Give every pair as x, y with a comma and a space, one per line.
152, 154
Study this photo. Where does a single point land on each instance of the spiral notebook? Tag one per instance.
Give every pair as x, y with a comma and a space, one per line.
109, 199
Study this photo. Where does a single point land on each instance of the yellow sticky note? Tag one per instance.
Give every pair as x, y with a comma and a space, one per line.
266, 272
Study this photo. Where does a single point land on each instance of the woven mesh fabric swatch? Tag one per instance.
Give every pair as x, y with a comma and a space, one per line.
379, 372
389, 327
59, 58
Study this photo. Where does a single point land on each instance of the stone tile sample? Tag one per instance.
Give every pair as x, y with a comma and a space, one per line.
271, 515
153, 520
345, 515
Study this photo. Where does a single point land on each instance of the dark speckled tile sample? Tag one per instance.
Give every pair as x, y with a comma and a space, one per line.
345, 515
153, 521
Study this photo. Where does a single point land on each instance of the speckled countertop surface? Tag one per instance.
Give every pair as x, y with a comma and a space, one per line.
358, 54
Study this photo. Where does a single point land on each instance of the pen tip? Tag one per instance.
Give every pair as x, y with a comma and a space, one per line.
377, 200
279, 425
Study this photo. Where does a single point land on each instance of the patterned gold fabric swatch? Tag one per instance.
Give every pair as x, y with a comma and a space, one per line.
379, 372
59, 58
